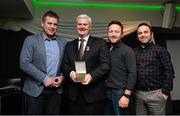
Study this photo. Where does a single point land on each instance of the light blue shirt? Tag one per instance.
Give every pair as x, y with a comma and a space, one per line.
52, 57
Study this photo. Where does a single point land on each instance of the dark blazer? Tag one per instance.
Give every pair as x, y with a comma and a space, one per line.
33, 63
97, 58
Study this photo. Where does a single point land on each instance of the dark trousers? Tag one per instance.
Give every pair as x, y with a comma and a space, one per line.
112, 108
81, 107
47, 103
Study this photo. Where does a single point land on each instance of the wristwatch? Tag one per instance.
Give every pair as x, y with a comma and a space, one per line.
126, 95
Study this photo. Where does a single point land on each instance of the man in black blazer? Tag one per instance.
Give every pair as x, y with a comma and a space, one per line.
86, 97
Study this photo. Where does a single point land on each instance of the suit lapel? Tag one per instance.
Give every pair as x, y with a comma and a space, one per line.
42, 47
88, 47
60, 46
75, 48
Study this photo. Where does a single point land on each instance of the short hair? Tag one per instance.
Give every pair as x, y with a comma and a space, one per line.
145, 24
84, 16
50, 14
117, 23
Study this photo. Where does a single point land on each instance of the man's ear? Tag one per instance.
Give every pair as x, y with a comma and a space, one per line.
152, 37
152, 34
42, 24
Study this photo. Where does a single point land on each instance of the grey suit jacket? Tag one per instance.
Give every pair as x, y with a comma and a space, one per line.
33, 63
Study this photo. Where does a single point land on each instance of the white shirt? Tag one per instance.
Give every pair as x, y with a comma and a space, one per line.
85, 42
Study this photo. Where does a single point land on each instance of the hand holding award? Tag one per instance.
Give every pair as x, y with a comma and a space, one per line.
80, 70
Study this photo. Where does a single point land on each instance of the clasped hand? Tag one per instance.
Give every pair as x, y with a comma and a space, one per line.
53, 82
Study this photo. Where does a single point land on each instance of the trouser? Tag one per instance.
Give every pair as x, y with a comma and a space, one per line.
150, 102
82, 107
113, 96
47, 103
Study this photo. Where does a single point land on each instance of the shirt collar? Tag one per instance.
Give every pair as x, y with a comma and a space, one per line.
118, 44
147, 46
86, 38
48, 39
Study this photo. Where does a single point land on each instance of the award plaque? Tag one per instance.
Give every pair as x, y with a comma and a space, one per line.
80, 70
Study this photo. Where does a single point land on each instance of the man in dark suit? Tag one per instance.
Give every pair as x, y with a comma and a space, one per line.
40, 60
87, 96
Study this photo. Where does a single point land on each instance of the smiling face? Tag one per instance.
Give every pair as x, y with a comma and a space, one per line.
114, 33
49, 25
144, 35
83, 27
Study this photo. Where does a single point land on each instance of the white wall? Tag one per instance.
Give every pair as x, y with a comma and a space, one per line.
174, 49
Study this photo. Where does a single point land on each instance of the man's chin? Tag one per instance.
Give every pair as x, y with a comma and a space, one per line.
50, 35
